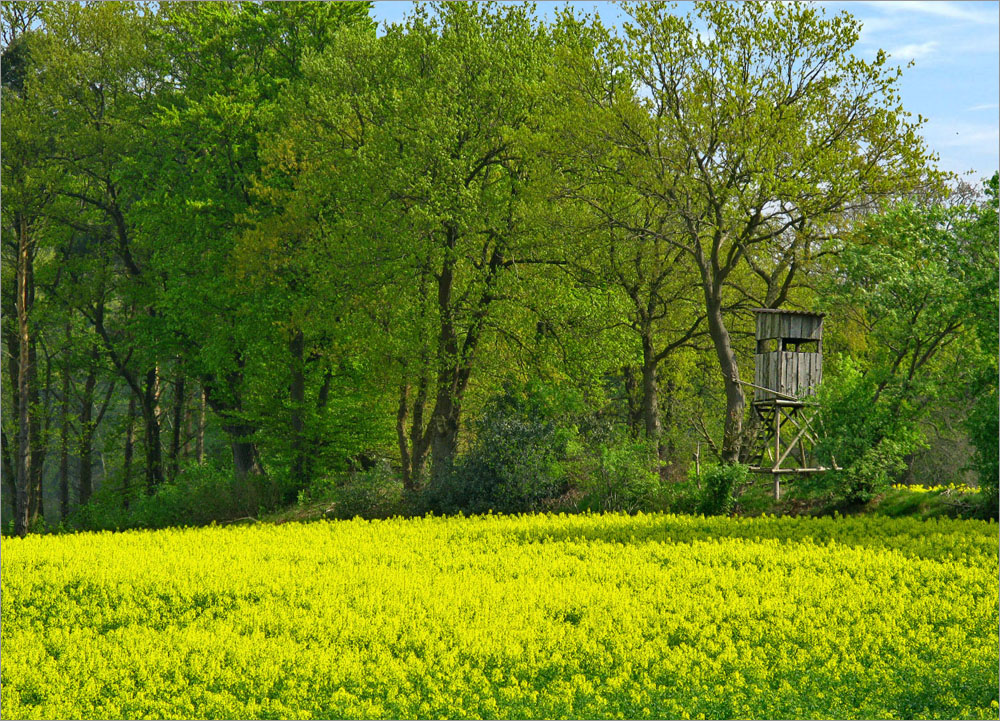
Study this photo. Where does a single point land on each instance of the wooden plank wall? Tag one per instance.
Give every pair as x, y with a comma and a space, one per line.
800, 373
765, 374
795, 374
774, 325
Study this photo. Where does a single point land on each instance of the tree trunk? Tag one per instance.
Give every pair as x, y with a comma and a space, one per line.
25, 377
297, 399
9, 487
199, 447
404, 449
147, 391
86, 484
129, 451
246, 459
9, 447
444, 431
64, 432
650, 395
150, 413
454, 363
178, 421
419, 436
632, 406
672, 467
735, 401
36, 501
413, 447
228, 404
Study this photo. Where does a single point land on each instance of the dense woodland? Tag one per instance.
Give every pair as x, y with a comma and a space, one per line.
256, 254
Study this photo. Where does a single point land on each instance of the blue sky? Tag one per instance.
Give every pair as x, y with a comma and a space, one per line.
954, 83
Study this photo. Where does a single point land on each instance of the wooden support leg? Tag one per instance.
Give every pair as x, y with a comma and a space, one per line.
777, 452
777, 437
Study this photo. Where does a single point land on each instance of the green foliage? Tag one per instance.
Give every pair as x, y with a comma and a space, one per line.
348, 240
719, 485
373, 493
200, 495
622, 475
585, 616
984, 431
952, 500
866, 433
541, 445
904, 280
702, 139
983, 423
683, 497
524, 439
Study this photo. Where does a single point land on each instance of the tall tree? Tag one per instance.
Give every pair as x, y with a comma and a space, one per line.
760, 130
28, 189
426, 131
100, 77
230, 63
621, 233
905, 280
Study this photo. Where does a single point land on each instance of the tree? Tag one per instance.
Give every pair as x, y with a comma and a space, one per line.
98, 81
904, 279
983, 284
231, 63
28, 191
416, 143
759, 132
589, 144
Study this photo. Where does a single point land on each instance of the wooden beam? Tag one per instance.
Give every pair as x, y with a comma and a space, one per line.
790, 447
769, 390
764, 469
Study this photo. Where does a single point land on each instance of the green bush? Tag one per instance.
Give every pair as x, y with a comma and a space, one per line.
539, 446
984, 431
524, 439
719, 484
622, 476
375, 493
198, 496
867, 432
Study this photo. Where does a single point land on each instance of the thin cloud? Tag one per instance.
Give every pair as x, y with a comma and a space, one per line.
874, 25
984, 106
977, 136
915, 51
975, 139
950, 10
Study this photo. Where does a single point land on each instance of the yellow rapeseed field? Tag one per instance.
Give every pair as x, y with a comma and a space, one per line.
594, 616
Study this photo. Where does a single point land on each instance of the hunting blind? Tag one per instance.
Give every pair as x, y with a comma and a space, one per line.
788, 365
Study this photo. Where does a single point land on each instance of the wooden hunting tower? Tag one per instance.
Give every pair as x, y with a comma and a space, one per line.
788, 365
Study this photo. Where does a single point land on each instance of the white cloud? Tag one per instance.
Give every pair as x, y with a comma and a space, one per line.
914, 51
952, 133
962, 11
984, 106
981, 138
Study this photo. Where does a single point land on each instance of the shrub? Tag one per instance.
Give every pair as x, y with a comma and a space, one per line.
373, 493
523, 441
198, 496
719, 484
867, 432
984, 431
623, 476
